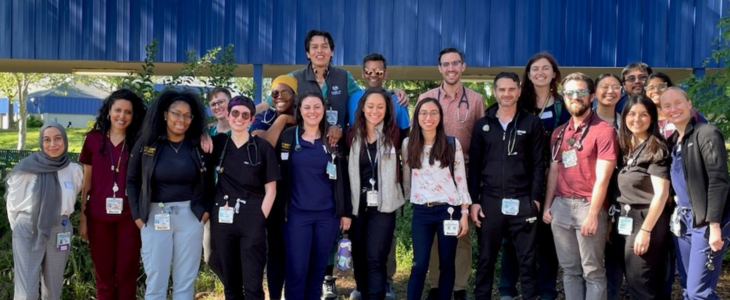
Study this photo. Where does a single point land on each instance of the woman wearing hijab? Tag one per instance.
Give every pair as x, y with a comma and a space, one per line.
41, 193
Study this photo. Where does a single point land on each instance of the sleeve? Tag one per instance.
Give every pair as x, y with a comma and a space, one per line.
714, 155
606, 143
87, 150
352, 106
476, 162
78, 179
272, 166
480, 109
134, 179
258, 123
401, 114
460, 170
406, 170
352, 86
15, 192
660, 168
538, 160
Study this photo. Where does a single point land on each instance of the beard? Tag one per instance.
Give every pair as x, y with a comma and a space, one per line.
577, 111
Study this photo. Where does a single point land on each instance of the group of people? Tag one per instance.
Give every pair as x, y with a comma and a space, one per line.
634, 187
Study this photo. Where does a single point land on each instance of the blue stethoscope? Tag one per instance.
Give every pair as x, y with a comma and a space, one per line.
463, 100
297, 147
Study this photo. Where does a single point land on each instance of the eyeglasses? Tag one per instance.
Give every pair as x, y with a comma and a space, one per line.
446, 64
370, 72
283, 94
425, 114
579, 93
610, 87
213, 104
177, 115
633, 78
659, 87
236, 114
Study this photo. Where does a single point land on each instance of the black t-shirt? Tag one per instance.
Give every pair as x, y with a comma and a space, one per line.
634, 179
366, 171
246, 170
175, 174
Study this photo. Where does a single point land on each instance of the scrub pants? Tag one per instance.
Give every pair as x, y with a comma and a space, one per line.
428, 222
645, 273
309, 236
693, 251
372, 236
115, 250
547, 265
45, 265
240, 248
276, 254
180, 247
520, 228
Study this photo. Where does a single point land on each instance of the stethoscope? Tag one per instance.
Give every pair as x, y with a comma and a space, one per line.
251, 142
462, 100
571, 141
297, 147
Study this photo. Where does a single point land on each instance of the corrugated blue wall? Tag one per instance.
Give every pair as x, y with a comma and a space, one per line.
599, 33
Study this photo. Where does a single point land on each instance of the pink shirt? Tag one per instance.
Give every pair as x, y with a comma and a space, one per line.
450, 104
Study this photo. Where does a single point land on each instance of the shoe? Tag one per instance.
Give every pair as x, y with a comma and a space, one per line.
389, 293
433, 294
329, 288
355, 295
460, 295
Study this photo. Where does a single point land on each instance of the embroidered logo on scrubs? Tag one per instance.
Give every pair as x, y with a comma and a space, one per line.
285, 146
149, 151
336, 90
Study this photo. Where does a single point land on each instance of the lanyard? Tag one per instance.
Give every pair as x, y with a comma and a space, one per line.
463, 99
544, 105
574, 143
115, 169
370, 158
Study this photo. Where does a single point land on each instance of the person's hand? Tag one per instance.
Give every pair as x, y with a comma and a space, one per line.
139, 223
205, 217
463, 225
345, 223
334, 133
266, 213
590, 224
716, 241
476, 212
641, 242
402, 97
83, 229
206, 143
547, 217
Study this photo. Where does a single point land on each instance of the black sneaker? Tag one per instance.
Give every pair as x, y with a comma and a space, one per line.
433, 294
329, 288
460, 295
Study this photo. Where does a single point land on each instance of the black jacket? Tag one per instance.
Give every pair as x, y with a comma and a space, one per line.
704, 162
142, 161
492, 171
340, 186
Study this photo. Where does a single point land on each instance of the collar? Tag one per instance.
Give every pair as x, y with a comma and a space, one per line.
583, 124
309, 74
460, 87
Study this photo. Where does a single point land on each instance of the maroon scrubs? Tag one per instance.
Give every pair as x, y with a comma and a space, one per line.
114, 239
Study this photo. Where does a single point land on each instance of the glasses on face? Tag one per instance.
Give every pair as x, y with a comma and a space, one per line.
634, 78
659, 87
283, 94
245, 115
446, 64
177, 115
371, 72
610, 87
425, 114
214, 104
579, 93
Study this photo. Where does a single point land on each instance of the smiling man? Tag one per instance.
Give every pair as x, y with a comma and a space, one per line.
634, 76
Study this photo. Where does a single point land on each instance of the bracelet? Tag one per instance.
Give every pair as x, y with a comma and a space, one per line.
464, 211
648, 231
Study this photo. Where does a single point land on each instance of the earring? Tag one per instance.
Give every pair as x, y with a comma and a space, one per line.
165, 119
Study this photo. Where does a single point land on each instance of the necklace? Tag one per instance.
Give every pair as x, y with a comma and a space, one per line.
178, 146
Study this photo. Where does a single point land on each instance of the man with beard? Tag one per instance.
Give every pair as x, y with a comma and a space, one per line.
583, 155
634, 76
462, 107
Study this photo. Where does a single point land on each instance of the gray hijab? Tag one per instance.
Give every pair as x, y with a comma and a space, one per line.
46, 209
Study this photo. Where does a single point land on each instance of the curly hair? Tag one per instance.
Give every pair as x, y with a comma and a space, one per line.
103, 122
155, 125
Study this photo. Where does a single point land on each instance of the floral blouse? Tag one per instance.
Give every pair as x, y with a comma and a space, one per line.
431, 183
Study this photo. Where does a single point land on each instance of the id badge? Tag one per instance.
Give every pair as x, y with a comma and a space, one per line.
225, 215
510, 207
113, 206
570, 158
332, 170
63, 241
372, 197
625, 225
162, 221
451, 227
331, 117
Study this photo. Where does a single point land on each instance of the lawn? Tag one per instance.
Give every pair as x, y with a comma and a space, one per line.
9, 139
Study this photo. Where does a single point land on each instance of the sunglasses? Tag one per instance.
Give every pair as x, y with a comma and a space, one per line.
277, 94
371, 72
579, 93
244, 115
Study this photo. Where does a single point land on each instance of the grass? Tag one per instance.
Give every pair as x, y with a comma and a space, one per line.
9, 139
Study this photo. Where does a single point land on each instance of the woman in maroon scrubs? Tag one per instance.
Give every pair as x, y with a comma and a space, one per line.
106, 220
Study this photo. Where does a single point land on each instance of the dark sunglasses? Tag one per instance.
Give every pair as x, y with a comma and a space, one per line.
276, 94
236, 114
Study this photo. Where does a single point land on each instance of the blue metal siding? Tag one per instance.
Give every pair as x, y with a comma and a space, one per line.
665, 33
64, 105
